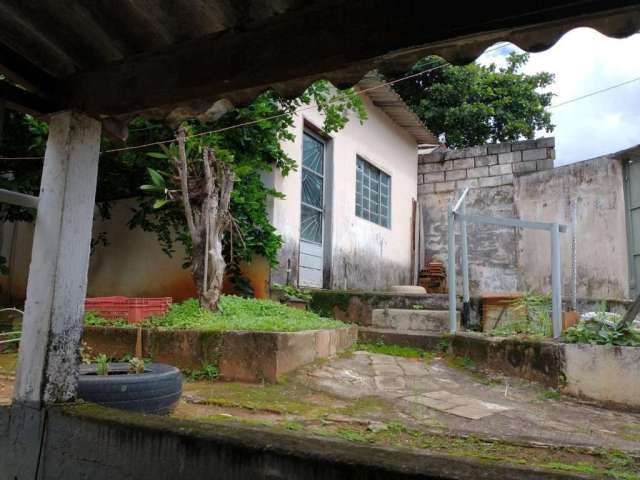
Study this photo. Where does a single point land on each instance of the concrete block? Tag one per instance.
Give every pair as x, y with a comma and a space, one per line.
433, 157
456, 175
546, 142
496, 181
499, 148
425, 188
469, 183
523, 145
434, 167
433, 177
545, 164
535, 154
503, 169
551, 153
411, 320
510, 157
486, 160
464, 163
478, 172
524, 167
455, 154
445, 187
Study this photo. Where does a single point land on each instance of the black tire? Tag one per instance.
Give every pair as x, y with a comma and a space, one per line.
157, 390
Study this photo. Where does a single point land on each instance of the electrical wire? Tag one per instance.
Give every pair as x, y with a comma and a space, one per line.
591, 94
271, 117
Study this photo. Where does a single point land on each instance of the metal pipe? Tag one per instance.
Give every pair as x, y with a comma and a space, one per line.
451, 274
556, 282
466, 312
19, 199
509, 222
574, 257
461, 200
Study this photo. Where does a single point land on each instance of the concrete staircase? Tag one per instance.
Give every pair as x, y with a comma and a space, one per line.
411, 326
411, 320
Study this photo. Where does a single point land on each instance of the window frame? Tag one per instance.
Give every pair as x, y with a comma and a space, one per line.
373, 166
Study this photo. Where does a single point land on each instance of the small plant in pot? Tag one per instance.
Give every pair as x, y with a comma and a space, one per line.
133, 385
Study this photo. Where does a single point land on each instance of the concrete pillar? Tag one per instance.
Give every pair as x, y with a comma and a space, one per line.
52, 325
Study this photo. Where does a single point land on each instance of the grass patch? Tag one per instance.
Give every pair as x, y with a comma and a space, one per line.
549, 394
236, 313
461, 363
395, 350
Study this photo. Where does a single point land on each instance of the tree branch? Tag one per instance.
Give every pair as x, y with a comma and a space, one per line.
183, 172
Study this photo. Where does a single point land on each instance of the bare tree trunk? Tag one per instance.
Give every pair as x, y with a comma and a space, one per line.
208, 223
631, 313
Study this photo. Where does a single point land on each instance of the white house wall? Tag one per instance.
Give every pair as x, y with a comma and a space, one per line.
364, 255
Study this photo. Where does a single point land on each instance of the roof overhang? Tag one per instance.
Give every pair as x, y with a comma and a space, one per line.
157, 58
386, 99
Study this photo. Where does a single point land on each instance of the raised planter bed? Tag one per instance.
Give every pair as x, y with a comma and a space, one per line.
240, 355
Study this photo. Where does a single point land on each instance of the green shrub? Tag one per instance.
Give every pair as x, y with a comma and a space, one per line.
533, 313
602, 333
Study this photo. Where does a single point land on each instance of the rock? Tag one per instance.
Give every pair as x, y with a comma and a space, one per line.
377, 427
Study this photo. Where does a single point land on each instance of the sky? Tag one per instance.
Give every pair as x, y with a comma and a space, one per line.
583, 61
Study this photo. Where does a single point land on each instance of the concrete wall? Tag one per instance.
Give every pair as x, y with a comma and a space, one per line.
87, 441
132, 264
364, 254
596, 187
489, 171
517, 180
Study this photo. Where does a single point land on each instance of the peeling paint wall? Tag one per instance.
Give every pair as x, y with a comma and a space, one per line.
364, 255
132, 264
489, 172
597, 188
508, 259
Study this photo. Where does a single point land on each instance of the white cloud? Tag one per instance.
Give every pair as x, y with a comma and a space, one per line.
584, 61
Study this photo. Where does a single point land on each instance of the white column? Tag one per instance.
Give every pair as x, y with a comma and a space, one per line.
52, 325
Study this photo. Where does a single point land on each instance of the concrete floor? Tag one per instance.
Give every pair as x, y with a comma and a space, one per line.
439, 396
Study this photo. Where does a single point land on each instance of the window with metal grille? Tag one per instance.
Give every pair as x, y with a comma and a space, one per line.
373, 193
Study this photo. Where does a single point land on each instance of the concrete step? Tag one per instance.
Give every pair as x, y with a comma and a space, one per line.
434, 321
413, 339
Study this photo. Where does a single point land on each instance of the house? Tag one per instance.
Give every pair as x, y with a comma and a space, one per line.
346, 219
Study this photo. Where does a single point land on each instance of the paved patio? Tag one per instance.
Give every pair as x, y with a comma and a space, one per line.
440, 404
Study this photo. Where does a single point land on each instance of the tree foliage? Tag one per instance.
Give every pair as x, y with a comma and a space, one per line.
476, 104
255, 148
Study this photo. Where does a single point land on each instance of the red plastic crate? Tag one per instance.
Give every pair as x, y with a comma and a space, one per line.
133, 310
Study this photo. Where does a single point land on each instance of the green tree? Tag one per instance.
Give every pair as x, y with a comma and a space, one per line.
254, 148
476, 104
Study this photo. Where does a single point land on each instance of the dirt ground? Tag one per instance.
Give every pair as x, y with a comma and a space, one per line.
437, 404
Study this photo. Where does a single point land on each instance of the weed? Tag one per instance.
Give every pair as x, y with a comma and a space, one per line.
293, 426
208, 371
102, 364
461, 363
549, 394
352, 435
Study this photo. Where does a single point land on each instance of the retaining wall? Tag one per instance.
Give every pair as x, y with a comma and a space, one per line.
605, 374
241, 356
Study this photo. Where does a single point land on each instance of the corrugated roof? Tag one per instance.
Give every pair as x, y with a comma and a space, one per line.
122, 58
388, 100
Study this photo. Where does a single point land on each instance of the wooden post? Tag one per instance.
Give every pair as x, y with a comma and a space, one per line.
52, 325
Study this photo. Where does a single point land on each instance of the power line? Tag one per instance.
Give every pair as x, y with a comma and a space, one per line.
591, 94
271, 117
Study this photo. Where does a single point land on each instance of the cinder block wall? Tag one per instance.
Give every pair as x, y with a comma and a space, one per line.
489, 171
483, 166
